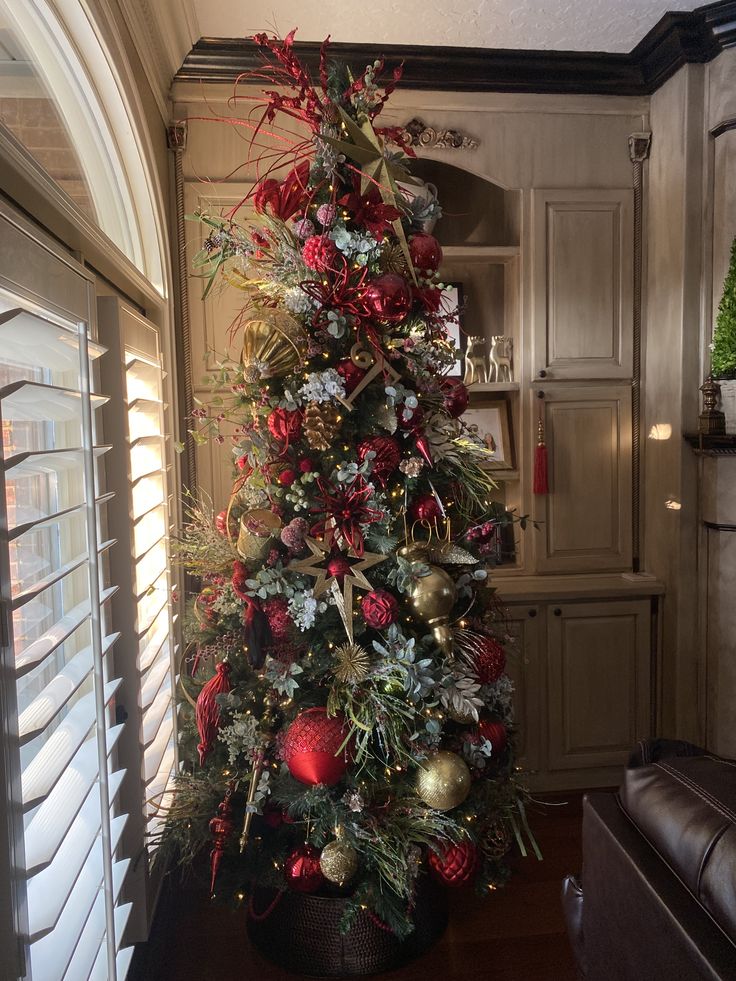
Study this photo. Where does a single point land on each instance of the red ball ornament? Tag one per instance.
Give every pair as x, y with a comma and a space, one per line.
302, 871
456, 864
425, 508
455, 396
495, 732
338, 566
351, 374
285, 424
287, 477
380, 609
425, 252
388, 298
306, 465
386, 459
319, 253
312, 747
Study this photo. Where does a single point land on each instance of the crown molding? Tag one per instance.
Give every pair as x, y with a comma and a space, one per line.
678, 39
162, 32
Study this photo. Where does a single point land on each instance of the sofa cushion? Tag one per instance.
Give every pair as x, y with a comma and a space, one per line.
686, 809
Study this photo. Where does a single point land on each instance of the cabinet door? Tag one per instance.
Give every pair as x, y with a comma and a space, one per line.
585, 519
599, 682
583, 281
525, 667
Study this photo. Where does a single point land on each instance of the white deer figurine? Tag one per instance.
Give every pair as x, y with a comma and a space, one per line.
500, 358
476, 369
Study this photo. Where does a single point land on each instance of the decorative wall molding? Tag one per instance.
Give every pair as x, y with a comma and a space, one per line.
678, 39
430, 138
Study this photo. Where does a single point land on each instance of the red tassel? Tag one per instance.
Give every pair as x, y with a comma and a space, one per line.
207, 713
541, 484
221, 827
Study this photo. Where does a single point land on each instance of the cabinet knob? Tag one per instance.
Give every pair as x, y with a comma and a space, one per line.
540, 394
557, 611
542, 373
532, 613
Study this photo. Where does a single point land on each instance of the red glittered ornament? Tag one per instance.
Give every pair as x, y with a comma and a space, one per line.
484, 653
302, 871
388, 298
387, 455
455, 396
425, 508
338, 566
351, 374
380, 609
287, 477
456, 863
319, 253
425, 252
285, 424
312, 747
495, 732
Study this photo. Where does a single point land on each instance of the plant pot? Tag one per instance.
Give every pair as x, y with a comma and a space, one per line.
301, 933
728, 402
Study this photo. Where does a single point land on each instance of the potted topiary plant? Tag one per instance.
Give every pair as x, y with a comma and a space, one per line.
723, 348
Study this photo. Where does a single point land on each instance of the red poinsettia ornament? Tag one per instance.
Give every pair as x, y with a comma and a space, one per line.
380, 609
385, 459
285, 425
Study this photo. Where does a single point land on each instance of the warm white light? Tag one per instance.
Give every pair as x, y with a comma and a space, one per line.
660, 430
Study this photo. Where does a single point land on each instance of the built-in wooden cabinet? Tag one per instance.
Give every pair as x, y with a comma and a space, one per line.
585, 519
582, 674
582, 283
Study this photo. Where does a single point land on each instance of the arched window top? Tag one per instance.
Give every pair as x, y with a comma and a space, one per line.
61, 98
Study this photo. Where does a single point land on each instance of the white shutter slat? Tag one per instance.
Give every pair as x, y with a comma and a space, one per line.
148, 528
154, 648
53, 956
40, 648
40, 463
29, 339
123, 962
49, 890
124, 957
47, 766
154, 714
59, 690
156, 753
28, 401
153, 681
61, 573
53, 819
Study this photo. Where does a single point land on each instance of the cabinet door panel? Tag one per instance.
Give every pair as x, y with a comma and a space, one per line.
583, 283
586, 516
598, 664
524, 666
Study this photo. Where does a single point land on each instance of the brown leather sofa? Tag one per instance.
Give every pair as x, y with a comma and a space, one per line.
657, 897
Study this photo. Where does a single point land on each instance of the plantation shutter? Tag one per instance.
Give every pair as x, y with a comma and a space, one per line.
141, 475
60, 691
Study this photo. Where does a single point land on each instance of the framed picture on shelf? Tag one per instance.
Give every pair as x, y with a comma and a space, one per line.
452, 303
491, 420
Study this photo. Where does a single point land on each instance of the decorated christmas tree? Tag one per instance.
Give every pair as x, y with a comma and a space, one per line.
348, 723
723, 349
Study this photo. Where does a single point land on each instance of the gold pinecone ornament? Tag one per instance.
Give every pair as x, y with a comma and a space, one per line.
321, 424
338, 861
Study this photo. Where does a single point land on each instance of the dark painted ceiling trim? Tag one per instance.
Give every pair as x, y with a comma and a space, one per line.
678, 39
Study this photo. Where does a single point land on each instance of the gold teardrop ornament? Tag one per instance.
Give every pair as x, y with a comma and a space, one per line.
274, 344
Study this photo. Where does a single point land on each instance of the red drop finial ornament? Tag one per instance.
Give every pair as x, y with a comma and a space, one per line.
207, 713
221, 827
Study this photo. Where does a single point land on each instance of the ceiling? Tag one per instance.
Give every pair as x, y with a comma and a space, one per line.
562, 25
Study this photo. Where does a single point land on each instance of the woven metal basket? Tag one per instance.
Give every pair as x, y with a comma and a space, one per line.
301, 933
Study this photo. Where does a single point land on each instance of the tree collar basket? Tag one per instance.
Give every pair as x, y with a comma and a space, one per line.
301, 933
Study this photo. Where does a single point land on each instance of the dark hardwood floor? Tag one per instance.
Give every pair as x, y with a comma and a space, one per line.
517, 934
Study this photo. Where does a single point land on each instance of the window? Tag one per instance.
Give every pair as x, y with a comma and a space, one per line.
60, 729
55, 78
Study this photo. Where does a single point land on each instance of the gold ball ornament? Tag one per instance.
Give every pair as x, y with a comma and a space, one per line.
443, 781
339, 862
432, 597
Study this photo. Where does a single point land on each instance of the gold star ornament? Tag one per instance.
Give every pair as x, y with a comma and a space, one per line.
348, 570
